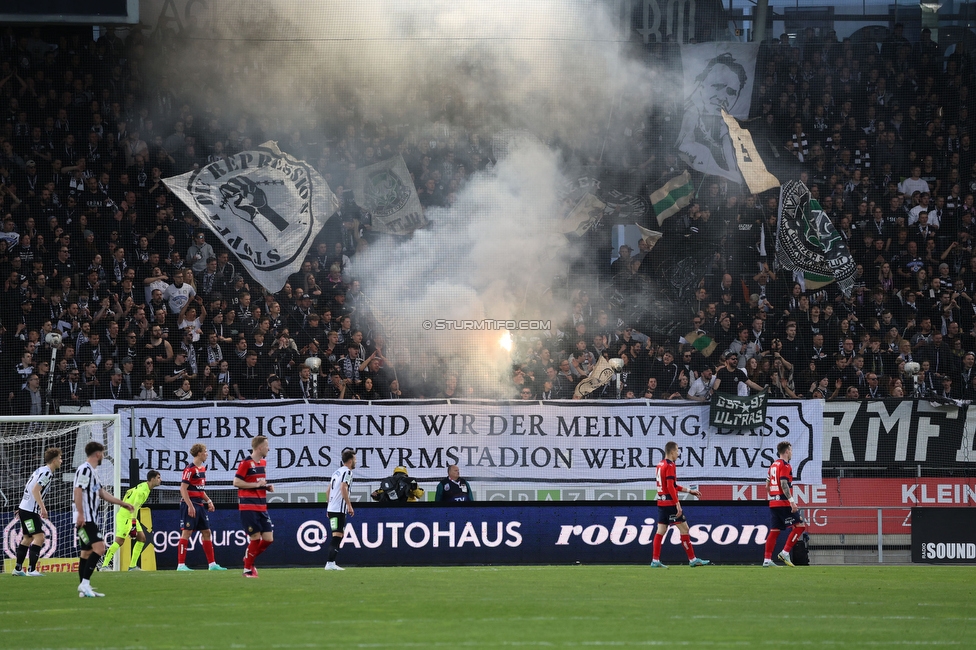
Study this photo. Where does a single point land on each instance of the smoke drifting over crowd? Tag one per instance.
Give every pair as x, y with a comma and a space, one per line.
435, 71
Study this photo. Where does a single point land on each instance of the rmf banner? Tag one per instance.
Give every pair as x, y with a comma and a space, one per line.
546, 442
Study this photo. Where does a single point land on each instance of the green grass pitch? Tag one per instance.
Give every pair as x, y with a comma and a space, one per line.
493, 607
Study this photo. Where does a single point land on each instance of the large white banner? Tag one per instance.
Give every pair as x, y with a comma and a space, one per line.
717, 76
569, 442
266, 207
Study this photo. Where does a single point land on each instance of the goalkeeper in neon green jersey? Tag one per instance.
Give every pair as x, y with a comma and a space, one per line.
128, 525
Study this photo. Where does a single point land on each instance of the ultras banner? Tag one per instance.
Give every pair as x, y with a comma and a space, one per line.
546, 442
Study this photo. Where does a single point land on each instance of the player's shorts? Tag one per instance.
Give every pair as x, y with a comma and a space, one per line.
30, 522
337, 521
88, 536
200, 522
126, 524
783, 517
669, 515
255, 521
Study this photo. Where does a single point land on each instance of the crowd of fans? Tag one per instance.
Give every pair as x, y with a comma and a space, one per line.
881, 134
151, 306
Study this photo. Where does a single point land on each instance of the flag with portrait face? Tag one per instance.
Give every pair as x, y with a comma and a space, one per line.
717, 76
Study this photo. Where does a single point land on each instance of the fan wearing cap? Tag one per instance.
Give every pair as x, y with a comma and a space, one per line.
732, 380
273, 389
397, 489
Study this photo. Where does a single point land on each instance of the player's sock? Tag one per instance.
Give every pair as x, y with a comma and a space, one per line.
111, 552
82, 563
658, 541
252, 552
181, 551
93, 561
689, 549
264, 546
21, 556
794, 537
770, 544
208, 550
34, 552
334, 550
136, 552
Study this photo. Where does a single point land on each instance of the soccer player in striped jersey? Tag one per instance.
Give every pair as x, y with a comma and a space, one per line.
669, 508
783, 511
340, 504
252, 486
32, 511
88, 494
194, 505
130, 526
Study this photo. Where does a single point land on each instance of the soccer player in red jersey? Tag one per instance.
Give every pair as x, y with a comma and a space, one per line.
252, 493
669, 508
783, 512
194, 505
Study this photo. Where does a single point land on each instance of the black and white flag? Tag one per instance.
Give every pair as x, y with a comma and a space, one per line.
717, 76
808, 243
387, 192
264, 205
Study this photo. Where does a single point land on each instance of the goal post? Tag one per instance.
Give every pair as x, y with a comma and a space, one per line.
23, 441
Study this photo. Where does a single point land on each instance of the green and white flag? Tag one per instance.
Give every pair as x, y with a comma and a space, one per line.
808, 243
672, 196
733, 412
701, 342
387, 193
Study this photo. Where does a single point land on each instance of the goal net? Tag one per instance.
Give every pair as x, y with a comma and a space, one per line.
23, 442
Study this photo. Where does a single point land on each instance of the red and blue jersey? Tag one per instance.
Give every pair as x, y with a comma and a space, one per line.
667, 483
250, 471
195, 479
779, 470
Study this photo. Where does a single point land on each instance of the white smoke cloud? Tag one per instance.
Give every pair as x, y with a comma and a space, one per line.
486, 257
436, 69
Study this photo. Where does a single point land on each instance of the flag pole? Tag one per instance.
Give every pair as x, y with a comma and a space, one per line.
613, 103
